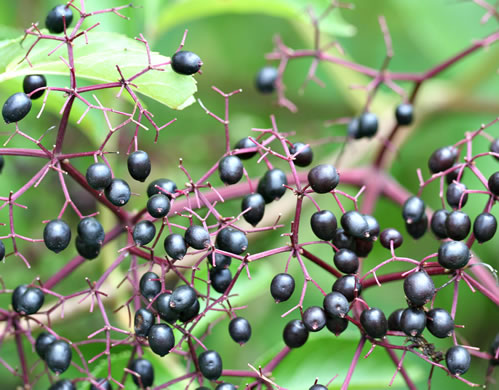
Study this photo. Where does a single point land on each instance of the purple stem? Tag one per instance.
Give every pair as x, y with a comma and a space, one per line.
355, 360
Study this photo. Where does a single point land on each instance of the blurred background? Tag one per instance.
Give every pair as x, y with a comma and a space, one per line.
232, 38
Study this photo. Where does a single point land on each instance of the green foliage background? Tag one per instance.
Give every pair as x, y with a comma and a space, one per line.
232, 36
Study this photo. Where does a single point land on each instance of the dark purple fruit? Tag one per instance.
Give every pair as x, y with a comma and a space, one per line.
391, 234
323, 178
305, 154
230, 169
256, 204
440, 323
186, 62
324, 224
453, 254
271, 185
374, 322
295, 334
484, 227
419, 288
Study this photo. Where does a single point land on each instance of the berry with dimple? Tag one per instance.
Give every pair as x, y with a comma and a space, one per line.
240, 330
419, 288
456, 195
27, 300
336, 325
190, 313
453, 254
349, 286
440, 323
458, 360
343, 240
197, 237
56, 235
16, 107
230, 169
295, 334
232, 240
33, 82
245, 143
42, 343
413, 321
494, 147
438, 223
417, 229
118, 192
413, 209
186, 62
145, 369
355, 224
210, 364
90, 230
335, 304
374, 322
182, 297
265, 79
391, 234
346, 261
394, 320
175, 246
404, 114
143, 321
57, 17
323, 178
218, 260
271, 185
282, 287
220, 279
150, 285
165, 311
324, 224
314, 318
458, 225
161, 186
256, 204
139, 165
143, 232
58, 356
368, 124
99, 176
63, 384
305, 154
103, 385
442, 159
494, 183
161, 339
158, 205
484, 227
372, 226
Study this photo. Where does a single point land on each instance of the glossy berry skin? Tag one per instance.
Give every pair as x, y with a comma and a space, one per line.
271, 185
458, 360
161, 186
494, 183
162, 305
256, 203
305, 154
158, 206
161, 339
413, 322
349, 286
220, 279
143, 232
324, 224
394, 320
442, 159
282, 287
2, 250
145, 369
143, 321
374, 322
182, 298
438, 223
245, 143
419, 288
413, 209
118, 192
391, 234
99, 176
314, 318
417, 229
363, 247
368, 125
32, 83
197, 237
27, 300
440, 323
225, 386
58, 356
220, 261
265, 79
354, 224
103, 385
186, 62
57, 17
87, 250
16, 107
336, 325
139, 165
353, 129
230, 169
150, 285
318, 387
295, 334
63, 384
372, 226
56, 235
90, 230
232, 240
494, 147
346, 261
210, 364
343, 240
2, 162
42, 343
458, 225
240, 330
456, 195
453, 175
484, 227
453, 254
404, 114
190, 313
335, 304
323, 178
175, 246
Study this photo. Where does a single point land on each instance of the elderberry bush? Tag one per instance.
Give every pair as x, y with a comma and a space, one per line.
184, 209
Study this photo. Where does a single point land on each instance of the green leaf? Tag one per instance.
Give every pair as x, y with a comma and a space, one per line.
183, 11
96, 61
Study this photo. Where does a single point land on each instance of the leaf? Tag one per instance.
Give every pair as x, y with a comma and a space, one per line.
183, 11
96, 61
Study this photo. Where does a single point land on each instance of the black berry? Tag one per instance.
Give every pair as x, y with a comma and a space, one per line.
323, 178
314, 318
143, 232
220, 261
440, 323
43, 341
349, 286
456, 195
368, 125
90, 230
56, 235
150, 285
353, 129
494, 183
413, 321
419, 288
210, 364
232, 240
99, 176
158, 205
372, 226
282, 287
118, 192
442, 159
494, 147
245, 143
417, 229
162, 304
58, 356
458, 360
88, 250
438, 223
336, 325
145, 369
318, 387
225, 386
413, 209
186, 62
484, 227
391, 234
161, 339
256, 204
143, 321
453, 254
343, 240
57, 17
458, 225
394, 320
63, 384
190, 313
295, 334
354, 224
305, 154
346, 261
27, 300
240, 330
175, 246
404, 114
265, 79
182, 298
33, 82
2, 250
335, 304
363, 247
374, 322
494, 360
103, 385
139, 165
161, 186
197, 237
324, 224
230, 169
16, 107
271, 185
220, 279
